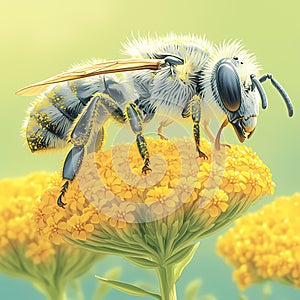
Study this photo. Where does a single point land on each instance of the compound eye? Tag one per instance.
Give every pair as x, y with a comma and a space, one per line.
229, 86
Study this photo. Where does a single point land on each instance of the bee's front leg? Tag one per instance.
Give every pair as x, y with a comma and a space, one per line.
135, 118
212, 139
208, 132
196, 116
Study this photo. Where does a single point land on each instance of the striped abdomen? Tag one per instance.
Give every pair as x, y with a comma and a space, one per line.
53, 113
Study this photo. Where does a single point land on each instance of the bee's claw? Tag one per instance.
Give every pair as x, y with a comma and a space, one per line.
60, 203
64, 188
202, 155
146, 167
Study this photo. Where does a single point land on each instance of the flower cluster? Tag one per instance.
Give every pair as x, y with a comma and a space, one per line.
17, 200
266, 245
110, 191
153, 220
25, 252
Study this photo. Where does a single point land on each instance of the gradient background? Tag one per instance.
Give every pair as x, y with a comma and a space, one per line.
42, 38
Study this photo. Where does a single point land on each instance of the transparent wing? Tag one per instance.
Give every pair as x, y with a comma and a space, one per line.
105, 67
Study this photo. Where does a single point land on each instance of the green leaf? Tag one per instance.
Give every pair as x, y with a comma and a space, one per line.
181, 254
164, 229
208, 297
267, 291
75, 286
192, 290
128, 288
183, 258
101, 289
142, 262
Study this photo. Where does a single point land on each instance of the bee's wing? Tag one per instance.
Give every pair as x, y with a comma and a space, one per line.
91, 70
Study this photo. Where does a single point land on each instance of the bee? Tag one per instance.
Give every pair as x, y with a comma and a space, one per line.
176, 76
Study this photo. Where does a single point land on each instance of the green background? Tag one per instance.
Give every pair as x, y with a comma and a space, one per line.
42, 38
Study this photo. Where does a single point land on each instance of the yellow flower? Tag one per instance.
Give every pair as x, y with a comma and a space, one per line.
203, 175
54, 227
3, 230
40, 252
25, 251
160, 202
96, 217
79, 226
120, 215
217, 201
234, 181
244, 277
169, 178
111, 191
154, 220
186, 189
125, 191
266, 245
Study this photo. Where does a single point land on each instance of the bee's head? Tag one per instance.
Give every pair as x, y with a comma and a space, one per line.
236, 96
230, 82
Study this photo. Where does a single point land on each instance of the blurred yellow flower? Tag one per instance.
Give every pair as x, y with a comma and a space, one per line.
154, 220
39, 252
266, 245
26, 252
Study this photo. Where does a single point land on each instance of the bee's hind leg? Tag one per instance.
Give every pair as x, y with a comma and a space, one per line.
80, 136
134, 116
70, 169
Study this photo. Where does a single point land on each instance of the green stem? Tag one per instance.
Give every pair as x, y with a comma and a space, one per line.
166, 278
51, 291
57, 295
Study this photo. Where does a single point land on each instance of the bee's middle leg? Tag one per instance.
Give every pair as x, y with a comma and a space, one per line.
132, 114
196, 116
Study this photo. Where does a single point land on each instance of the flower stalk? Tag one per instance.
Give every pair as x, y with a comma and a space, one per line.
53, 291
167, 282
